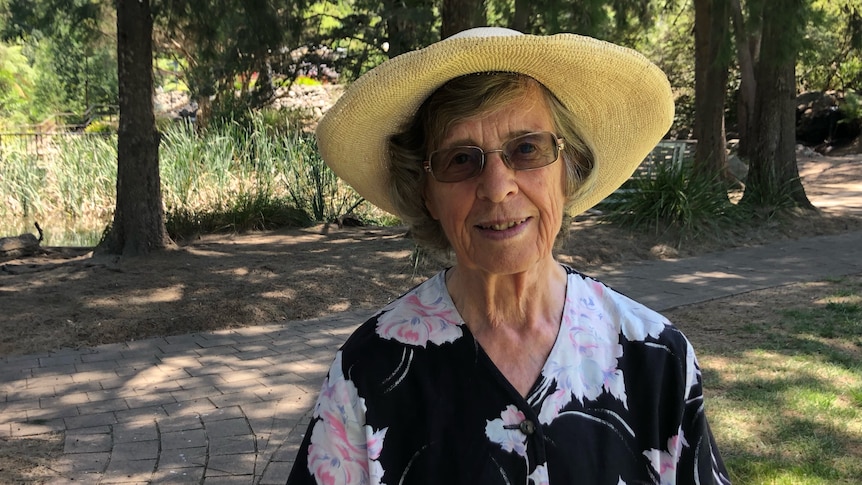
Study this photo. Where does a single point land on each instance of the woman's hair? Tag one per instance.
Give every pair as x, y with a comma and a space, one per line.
459, 99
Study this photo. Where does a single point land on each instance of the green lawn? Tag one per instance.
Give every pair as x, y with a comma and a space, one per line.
783, 372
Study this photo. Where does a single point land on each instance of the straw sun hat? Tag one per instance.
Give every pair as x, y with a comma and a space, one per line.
622, 101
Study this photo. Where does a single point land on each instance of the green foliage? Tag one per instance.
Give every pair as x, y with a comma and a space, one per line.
87, 175
21, 180
832, 53
669, 43
267, 160
247, 212
851, 106
232, 177
671, 198
618, 21
223, 47
17, 84
313, 186
101, 127
69, 45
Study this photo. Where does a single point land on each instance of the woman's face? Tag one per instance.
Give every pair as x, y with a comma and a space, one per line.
502, 221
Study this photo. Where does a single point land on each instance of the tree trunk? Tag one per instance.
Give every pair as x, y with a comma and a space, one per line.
745, 57
521, 20
407, 25
458, 15
773, 176
139, 220
711, 27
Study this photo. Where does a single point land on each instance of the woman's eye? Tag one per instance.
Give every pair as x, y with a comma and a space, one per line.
460, 158
526, 148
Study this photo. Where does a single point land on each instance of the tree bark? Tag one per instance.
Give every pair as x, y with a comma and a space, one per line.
139, 220
407, 25
459, 15
773, 176
521, 20
745, 58
711, 26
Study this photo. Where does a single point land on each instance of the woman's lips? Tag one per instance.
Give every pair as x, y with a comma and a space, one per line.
502, 226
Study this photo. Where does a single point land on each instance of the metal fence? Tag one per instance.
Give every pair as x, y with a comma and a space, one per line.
39, 144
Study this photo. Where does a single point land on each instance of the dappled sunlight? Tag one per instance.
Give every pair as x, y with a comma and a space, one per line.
396, 255
770, 366
842, 197
206, 252
169, 294
703, 277
850, 347
831, 183
771, 407
342, 306
283, 294
845, 299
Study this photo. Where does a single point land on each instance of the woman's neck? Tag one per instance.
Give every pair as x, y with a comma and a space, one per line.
514, 318
518, 301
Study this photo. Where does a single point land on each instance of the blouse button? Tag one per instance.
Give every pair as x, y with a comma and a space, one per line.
527, 427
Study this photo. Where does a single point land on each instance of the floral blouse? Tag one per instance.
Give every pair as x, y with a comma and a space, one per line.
412, 398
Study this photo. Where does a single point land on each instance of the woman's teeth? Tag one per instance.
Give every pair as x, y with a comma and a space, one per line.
504, 226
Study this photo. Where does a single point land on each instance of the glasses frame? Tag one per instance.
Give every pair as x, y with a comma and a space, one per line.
559, 146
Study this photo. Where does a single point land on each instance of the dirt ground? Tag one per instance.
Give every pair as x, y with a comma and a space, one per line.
67, 298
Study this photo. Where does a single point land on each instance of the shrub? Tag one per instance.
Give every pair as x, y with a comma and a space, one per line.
672, 199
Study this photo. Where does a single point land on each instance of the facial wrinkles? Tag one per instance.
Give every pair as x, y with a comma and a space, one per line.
500, 197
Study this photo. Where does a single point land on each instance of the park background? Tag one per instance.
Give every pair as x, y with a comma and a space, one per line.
257, 230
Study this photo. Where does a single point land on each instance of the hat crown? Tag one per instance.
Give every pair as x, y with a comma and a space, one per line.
481, 32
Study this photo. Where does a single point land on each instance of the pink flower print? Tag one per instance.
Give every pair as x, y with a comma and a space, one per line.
597, 287
587, 367
639, 322
664, 462
540, 476
552, 405
422, 316
341, 444
508, 439
374, 441
615, 384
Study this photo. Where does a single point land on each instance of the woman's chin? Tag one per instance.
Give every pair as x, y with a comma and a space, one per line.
505, 262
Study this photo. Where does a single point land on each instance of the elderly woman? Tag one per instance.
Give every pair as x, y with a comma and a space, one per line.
507, 367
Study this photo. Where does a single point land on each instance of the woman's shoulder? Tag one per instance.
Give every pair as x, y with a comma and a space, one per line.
422, 318
634, 320
643, 336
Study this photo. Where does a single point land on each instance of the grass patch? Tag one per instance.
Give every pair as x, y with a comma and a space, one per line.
784, 381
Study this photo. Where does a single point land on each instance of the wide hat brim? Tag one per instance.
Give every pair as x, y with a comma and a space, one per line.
622, 101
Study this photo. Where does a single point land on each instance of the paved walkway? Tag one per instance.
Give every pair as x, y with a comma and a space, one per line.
231, 406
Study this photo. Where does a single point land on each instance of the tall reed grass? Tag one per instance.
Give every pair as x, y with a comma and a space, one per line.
232, 177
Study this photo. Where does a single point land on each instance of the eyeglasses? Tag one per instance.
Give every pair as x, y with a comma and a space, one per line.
526, 152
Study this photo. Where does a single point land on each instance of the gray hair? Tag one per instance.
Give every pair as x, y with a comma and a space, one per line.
459, 99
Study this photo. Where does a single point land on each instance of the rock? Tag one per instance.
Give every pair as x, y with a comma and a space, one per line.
23, 245
738, 168
821, 121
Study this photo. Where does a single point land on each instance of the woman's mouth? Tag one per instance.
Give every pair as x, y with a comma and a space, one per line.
502, 226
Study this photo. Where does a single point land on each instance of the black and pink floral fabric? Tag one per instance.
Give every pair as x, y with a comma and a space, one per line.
411, 398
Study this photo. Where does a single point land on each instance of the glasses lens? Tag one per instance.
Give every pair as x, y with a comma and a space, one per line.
533, 150
456, 164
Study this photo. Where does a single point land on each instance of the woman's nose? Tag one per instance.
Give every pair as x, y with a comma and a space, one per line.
497, 180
